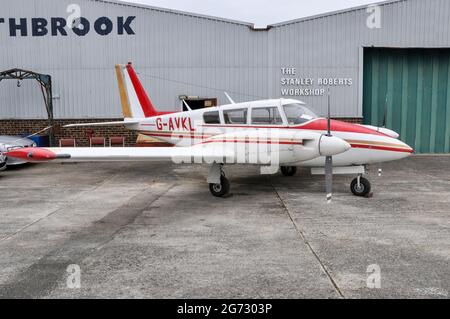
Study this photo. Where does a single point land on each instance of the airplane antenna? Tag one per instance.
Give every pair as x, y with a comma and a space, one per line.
229, 98
385, 112
187, 105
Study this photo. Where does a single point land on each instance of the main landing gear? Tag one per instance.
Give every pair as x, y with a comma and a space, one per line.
221, 189
219, 185
288, 170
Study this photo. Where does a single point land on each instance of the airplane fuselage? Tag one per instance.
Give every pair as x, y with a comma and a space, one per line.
368, 146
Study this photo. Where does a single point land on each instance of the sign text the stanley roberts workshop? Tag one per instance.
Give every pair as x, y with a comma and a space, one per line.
307, 86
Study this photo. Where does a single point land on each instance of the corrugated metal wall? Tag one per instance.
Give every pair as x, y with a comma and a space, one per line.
180, 53
332, 45
416, 85
174, 53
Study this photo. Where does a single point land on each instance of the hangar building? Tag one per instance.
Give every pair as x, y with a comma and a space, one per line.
391, 59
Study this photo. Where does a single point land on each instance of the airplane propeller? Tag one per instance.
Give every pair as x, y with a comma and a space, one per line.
329, 160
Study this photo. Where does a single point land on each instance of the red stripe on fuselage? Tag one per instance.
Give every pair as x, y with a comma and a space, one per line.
314, 125
339, 126
382, 148
175, 135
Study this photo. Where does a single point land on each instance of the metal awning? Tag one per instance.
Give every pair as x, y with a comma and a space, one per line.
45, 82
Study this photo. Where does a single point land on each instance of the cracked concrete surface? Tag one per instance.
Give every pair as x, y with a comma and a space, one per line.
154, 231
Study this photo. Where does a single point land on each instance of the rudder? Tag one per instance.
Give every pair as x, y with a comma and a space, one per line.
134, 99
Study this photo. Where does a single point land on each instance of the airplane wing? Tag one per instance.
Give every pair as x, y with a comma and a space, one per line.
244, 147
194, 154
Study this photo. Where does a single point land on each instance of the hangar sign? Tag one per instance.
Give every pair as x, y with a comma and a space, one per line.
58, 26
291, 85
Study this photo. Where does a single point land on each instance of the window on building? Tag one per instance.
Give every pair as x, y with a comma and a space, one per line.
211, 118
235, 116
266, 116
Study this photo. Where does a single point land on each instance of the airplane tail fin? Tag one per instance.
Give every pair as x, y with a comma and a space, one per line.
134, 99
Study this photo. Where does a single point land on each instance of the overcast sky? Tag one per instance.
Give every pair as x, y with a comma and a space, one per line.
260, 12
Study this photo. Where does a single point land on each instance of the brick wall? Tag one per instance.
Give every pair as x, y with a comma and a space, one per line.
81, 134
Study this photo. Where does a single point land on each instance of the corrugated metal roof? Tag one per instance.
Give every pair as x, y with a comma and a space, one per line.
184, 13
328, 14
252, 25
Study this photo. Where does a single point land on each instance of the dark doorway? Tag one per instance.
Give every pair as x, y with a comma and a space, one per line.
199, 103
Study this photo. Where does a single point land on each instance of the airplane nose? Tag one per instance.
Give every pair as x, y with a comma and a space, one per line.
332, 145
410, 150
399, 149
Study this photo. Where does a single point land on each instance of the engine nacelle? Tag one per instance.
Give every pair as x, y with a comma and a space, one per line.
332, 145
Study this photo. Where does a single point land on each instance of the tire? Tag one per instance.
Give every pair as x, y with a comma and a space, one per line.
288, 170
364, 189
3, 165
222, 189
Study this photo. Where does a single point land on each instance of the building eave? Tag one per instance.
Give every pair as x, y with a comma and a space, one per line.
333, 13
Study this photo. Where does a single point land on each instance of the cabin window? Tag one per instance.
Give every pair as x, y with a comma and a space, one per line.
235, 116
211, 118
298, 114
266, 116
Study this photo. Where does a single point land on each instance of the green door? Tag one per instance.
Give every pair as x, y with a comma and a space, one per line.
412, 87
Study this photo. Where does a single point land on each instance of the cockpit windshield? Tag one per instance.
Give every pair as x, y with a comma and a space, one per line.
298, 114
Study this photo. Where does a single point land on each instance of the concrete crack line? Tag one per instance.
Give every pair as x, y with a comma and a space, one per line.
306, 242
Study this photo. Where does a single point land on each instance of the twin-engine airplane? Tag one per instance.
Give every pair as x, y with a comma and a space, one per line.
271, 134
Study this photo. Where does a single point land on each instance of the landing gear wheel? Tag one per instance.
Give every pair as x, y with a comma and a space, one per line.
222, 189
288, 170
361, 190
2, 163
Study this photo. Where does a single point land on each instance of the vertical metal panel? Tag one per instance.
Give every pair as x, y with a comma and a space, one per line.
331, 44
416, 84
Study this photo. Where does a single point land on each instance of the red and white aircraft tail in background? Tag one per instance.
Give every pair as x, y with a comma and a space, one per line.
270, 133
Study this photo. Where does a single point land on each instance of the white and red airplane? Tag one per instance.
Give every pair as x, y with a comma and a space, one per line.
270, 133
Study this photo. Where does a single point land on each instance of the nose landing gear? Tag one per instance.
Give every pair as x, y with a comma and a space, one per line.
360, 186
